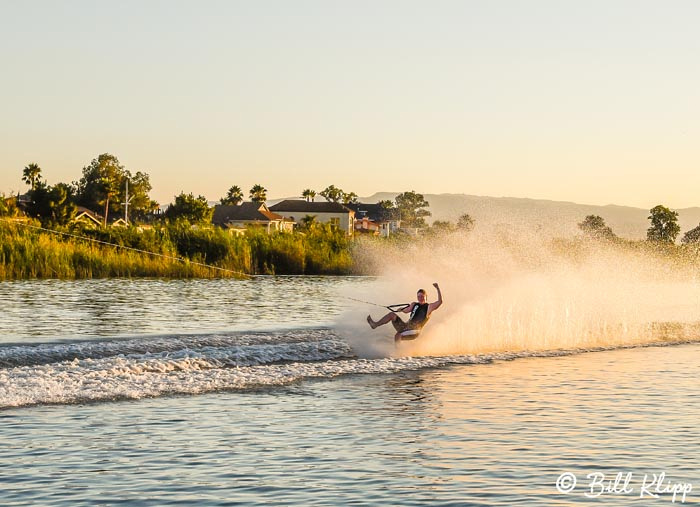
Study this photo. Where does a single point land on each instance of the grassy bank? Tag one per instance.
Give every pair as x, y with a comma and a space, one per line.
30, 253
178, 250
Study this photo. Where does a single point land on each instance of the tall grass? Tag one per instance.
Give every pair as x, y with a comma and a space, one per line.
182, 252
319, 251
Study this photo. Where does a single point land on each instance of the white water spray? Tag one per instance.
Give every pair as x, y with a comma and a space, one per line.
521, 292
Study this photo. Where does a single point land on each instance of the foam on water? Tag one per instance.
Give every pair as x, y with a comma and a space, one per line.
27, 355
146, 366
137, 368
506, 296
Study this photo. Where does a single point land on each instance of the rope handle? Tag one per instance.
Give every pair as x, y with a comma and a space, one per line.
398, 307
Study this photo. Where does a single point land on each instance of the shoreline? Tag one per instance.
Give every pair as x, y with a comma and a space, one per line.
173, 251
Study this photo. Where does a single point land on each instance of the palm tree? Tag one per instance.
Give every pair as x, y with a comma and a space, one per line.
309, 195
31, 174
309, 222
258, 193
465, 222
234, 196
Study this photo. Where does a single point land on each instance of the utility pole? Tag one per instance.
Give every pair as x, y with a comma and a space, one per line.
126, 204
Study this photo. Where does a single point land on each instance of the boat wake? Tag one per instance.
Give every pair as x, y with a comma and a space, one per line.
140, 367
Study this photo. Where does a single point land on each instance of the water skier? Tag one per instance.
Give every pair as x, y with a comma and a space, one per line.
420, 313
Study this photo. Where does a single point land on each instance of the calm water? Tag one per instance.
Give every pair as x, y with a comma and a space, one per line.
37, 310
243, 393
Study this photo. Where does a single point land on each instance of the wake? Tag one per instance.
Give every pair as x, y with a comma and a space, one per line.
133, 369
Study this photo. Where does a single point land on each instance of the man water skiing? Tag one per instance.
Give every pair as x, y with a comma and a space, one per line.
420, 313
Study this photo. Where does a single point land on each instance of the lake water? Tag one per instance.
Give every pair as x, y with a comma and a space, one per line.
220, 392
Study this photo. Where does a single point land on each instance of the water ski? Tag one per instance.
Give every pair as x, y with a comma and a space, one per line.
409, 334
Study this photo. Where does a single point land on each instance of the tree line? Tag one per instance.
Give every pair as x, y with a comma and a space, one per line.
108, 188
106, 185
663, 227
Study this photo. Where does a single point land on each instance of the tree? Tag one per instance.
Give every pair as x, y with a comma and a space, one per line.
51, 205
593, 226
411, 206
258, 193
38, 205
61, 203
111, 172
465, 223
140, 203
692, 236
187, 206
103, 184
349, 198
234, 196
331, 193
664, 224
100, 184
31, 175
442, 226
387, 210
309, 195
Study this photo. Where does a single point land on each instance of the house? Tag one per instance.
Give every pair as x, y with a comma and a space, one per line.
333, 213
88, 217
85, 216
23, 199
119, 222
238, 218
375, 219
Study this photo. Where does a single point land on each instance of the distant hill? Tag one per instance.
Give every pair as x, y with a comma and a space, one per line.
552, 217
556, 217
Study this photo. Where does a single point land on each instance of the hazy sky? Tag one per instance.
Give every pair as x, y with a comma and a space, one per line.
588, 101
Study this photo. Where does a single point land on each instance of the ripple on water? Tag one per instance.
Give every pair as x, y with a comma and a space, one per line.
454, 435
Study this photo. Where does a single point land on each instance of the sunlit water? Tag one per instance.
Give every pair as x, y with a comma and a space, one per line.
244, 393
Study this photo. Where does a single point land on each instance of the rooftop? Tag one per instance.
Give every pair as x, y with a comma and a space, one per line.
301, 206
247, 211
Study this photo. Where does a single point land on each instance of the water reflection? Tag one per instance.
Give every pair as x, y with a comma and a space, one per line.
84, 308
411, 393
496, 434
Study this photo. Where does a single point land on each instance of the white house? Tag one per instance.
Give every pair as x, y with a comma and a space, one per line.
333, 213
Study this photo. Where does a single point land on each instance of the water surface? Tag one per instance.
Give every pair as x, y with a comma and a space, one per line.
205, 404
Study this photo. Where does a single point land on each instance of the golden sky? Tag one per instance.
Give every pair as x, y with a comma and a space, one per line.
594, 102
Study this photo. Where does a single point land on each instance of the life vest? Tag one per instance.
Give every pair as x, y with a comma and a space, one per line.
419, 316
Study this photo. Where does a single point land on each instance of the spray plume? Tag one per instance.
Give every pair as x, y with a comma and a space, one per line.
510, 291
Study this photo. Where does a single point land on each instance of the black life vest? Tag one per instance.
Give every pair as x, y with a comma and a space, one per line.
419, 315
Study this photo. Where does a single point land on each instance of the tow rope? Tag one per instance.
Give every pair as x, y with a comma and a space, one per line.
392, 308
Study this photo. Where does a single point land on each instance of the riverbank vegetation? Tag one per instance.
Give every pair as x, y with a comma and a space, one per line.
56, 231
180, 250
42, 234
173, 250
